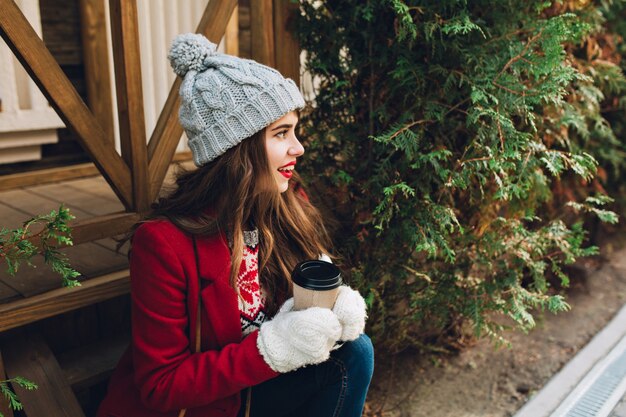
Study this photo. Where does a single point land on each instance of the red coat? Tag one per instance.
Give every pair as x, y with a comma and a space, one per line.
158, 375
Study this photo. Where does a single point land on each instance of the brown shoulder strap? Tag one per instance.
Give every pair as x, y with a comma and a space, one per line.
197, 346
198, 332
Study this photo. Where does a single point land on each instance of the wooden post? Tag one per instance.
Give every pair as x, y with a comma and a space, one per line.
96, 60
168, 131
245, 38
52, 303
287, 48
262, 28
30, 357
231, 37
125, 34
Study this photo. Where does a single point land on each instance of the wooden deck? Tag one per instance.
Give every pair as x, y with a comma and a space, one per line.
36, 293
86, 198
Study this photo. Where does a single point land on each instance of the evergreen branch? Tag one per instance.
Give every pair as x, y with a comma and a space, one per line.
519, 56
484, 158
19, 246
500, 134
11, 396
407, 127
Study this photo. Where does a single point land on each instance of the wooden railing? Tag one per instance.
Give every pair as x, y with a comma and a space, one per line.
137, 174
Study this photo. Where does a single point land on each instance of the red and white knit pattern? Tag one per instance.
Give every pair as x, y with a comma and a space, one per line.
251, 297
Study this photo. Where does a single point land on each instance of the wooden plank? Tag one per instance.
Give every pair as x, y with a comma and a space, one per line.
85, 366
65, 193
29, 357
231, 36
96, 62
7, 294
4, 403
125, 34
287, 48
51, 303
245, 40
10, 217
87, 229
45, 176
111, 244
89, 259
33, 279
50, 175
33, 204
96, 186
102, 227
46, 73
262, 32
168, 131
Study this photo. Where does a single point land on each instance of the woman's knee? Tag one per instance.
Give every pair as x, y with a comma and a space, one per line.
358, 357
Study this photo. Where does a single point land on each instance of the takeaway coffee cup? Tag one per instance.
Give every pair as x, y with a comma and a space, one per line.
315, 284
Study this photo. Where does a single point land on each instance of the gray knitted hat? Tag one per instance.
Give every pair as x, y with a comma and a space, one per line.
225, 99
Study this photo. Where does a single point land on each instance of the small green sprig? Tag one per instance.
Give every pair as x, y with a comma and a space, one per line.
10, 395
18, 246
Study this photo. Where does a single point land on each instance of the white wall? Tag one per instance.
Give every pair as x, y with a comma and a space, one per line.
26, 119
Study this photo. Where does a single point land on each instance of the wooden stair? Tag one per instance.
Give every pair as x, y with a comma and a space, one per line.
58, 378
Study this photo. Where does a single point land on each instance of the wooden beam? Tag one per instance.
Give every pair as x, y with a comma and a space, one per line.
231, 37
96, 60
125, 33
46, 73
245, 38
287, 53
28, 356
102, 227
262, 32
164, 139
31, 309
47, 176
168, 131
4, 404
72, 172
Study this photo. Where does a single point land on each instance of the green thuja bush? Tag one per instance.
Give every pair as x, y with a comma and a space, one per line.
460, 145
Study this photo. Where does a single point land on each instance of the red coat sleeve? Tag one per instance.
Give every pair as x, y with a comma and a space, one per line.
169, 376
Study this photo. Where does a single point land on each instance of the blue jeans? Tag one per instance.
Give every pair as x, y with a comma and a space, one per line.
335, 388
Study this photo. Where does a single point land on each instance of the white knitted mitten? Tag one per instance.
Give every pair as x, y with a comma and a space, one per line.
350, 310
293, 339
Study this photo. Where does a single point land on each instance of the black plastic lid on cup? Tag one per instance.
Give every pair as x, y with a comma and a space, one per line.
316, 275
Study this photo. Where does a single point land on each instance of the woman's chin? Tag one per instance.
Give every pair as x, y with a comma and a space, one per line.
283, 187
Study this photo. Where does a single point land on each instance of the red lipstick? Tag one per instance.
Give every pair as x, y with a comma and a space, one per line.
287, 173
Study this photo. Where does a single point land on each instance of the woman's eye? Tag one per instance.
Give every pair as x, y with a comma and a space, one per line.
282, 134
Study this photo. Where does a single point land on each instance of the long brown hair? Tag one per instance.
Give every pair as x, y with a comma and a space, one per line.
238, 191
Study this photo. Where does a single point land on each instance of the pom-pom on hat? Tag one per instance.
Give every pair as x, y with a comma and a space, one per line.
225, 99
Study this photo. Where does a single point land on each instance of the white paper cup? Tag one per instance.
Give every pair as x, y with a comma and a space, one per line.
315, 284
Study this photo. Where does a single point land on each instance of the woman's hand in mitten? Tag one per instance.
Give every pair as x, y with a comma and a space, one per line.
293, 339
350, 309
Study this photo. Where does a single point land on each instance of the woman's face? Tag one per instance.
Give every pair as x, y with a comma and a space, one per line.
282, 147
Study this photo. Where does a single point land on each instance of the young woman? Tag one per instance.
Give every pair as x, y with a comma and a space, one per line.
212, 313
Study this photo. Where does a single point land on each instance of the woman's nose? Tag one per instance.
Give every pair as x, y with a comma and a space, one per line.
296, 148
